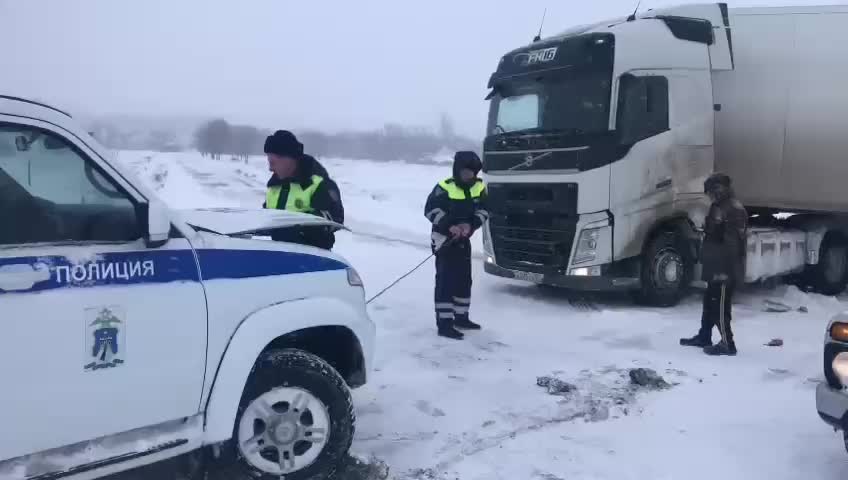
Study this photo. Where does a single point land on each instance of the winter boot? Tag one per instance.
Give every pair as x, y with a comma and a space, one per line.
721, 348
464, 323
447, 330
696, 341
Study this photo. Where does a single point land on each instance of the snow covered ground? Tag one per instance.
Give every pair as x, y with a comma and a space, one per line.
438, 409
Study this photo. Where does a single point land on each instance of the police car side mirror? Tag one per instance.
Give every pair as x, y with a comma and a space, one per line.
22, 143
158, 223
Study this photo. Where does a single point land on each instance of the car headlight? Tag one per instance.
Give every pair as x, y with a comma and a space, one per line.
840, 368
839, 332
353, 278
587, 246
836, 356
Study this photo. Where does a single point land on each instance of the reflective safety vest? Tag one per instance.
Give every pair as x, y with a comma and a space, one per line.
456, 192
299, 199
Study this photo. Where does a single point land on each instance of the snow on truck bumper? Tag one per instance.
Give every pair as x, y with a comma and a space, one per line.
585, 279
832, 405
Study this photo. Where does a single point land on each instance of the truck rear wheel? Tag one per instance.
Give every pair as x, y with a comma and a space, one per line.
829, 276
666, 271
295, 420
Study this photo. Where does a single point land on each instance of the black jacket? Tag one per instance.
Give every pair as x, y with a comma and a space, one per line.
326, 202
724, 248
443, 213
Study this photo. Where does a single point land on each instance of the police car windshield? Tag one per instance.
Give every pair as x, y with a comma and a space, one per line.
46, 167
575, 104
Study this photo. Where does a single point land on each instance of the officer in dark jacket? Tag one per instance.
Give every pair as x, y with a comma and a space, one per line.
300, 184
723, 259
457, 208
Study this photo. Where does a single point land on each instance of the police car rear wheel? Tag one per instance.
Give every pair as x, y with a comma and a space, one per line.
296, 418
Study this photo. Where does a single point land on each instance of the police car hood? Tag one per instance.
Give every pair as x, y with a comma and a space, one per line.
246, 221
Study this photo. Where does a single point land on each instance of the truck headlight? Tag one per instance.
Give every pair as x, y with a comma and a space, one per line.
587, 246
487, 240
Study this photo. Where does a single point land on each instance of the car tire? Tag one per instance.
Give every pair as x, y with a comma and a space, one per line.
666, 271
830, 275
293, 402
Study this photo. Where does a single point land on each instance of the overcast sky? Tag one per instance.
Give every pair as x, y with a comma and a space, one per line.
345, 64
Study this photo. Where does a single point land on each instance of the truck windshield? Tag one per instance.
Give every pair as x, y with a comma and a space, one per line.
575, 104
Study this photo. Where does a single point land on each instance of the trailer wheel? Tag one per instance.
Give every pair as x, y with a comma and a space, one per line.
829, 276
666, 271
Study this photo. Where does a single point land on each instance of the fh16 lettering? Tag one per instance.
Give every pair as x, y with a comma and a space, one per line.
533, 57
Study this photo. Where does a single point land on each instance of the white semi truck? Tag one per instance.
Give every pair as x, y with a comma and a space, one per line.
599, 141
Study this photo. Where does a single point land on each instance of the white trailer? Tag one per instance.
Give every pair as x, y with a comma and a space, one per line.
600, 139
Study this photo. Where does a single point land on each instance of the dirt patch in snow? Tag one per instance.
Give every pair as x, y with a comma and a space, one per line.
363, 469
607, 393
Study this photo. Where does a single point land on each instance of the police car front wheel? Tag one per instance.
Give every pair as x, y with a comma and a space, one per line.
296, 418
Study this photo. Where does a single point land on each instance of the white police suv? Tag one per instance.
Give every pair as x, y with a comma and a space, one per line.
131, 333
832, 394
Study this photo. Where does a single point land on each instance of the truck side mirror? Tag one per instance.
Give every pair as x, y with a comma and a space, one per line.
158, 224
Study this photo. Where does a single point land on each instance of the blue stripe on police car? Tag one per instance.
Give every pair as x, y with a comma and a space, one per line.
159, 266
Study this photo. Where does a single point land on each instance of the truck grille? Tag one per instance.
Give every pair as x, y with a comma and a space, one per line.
533, 225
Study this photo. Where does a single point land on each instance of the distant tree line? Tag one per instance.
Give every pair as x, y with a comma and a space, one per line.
159, 140
217, 137
393, 142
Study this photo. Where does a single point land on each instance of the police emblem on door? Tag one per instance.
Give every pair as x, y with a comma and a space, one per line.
105, 343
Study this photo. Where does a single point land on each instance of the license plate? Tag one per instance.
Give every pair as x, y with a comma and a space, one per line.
528, 276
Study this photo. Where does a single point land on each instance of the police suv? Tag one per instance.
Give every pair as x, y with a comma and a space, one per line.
832, 394
131, 333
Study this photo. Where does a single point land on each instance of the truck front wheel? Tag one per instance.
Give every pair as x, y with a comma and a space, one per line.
829, 276
295, 420
666, 272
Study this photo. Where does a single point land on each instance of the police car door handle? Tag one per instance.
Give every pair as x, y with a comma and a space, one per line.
22, 276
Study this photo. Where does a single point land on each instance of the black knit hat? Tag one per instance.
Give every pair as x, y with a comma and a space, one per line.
284, 144
466, 159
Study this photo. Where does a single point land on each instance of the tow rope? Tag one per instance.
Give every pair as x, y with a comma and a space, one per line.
391, 285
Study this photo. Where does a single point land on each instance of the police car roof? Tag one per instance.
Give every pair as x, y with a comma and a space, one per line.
33, 102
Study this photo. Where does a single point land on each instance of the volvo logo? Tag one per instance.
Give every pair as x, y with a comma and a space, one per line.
529, 160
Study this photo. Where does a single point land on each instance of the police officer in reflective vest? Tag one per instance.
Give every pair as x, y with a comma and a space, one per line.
457, 208
300, 184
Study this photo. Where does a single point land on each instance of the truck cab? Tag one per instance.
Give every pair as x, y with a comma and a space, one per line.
133, 332
600, 138
599, 141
